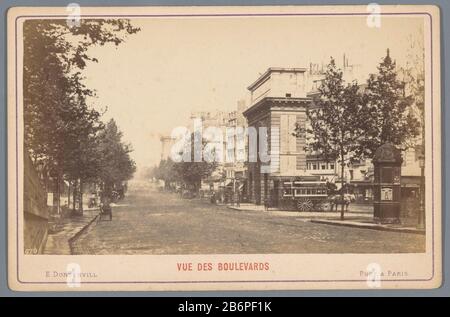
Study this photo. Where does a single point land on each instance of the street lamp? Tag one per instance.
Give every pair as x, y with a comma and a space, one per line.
421, 220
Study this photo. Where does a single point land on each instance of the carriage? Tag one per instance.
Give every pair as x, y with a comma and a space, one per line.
305, 194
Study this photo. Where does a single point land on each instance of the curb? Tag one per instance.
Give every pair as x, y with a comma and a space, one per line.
284, 210
80, 232
246, 209
371, 227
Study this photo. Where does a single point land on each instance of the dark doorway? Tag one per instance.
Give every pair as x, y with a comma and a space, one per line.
274, 192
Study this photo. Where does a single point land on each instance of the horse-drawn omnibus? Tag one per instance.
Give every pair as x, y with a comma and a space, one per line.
307, 193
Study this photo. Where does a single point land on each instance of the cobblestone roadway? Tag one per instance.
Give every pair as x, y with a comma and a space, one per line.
150, 222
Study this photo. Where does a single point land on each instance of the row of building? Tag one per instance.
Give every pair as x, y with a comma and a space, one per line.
278, 100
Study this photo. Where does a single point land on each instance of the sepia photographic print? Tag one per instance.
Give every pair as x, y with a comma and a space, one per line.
224, 148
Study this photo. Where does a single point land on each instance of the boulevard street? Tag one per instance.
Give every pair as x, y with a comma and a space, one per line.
151, 222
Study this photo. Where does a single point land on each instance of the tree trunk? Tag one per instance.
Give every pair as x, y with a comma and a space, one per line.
74, 194
59, 194
80, 206
342, 188
68, 194
56, 195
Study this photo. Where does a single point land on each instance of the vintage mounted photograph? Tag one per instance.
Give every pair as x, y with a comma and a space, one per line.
216, 143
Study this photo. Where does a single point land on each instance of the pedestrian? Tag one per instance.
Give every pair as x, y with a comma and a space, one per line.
105, 207
213, 197
266, 204
238, 199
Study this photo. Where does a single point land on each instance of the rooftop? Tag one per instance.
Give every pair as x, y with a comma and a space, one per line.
266, 101
271, 70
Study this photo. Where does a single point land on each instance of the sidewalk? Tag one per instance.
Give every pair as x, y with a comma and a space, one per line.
357, 216
359, 211
368, 224
58, 242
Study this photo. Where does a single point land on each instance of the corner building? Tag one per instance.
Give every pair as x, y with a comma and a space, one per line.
278, 102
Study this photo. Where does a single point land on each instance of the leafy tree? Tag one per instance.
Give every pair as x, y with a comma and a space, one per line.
115, 166
189, 173
390, 117
166, 171
54, 55
192, 173
336, 120
83, 165
58, 124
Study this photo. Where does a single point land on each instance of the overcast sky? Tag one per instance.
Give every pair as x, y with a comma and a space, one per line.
152, 82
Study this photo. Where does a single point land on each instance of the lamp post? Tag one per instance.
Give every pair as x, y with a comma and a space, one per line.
421, 220
234, 202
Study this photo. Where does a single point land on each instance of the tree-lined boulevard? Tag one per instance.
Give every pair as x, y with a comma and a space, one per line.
69, 142
148, 221
64, 135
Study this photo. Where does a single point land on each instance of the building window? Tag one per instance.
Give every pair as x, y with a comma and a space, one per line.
332, 166
324, 166
288, 95
314, 166
351, 174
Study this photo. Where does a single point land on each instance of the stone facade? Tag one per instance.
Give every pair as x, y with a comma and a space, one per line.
288, 160
278, 103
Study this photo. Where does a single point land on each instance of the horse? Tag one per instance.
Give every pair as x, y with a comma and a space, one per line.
335, 200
